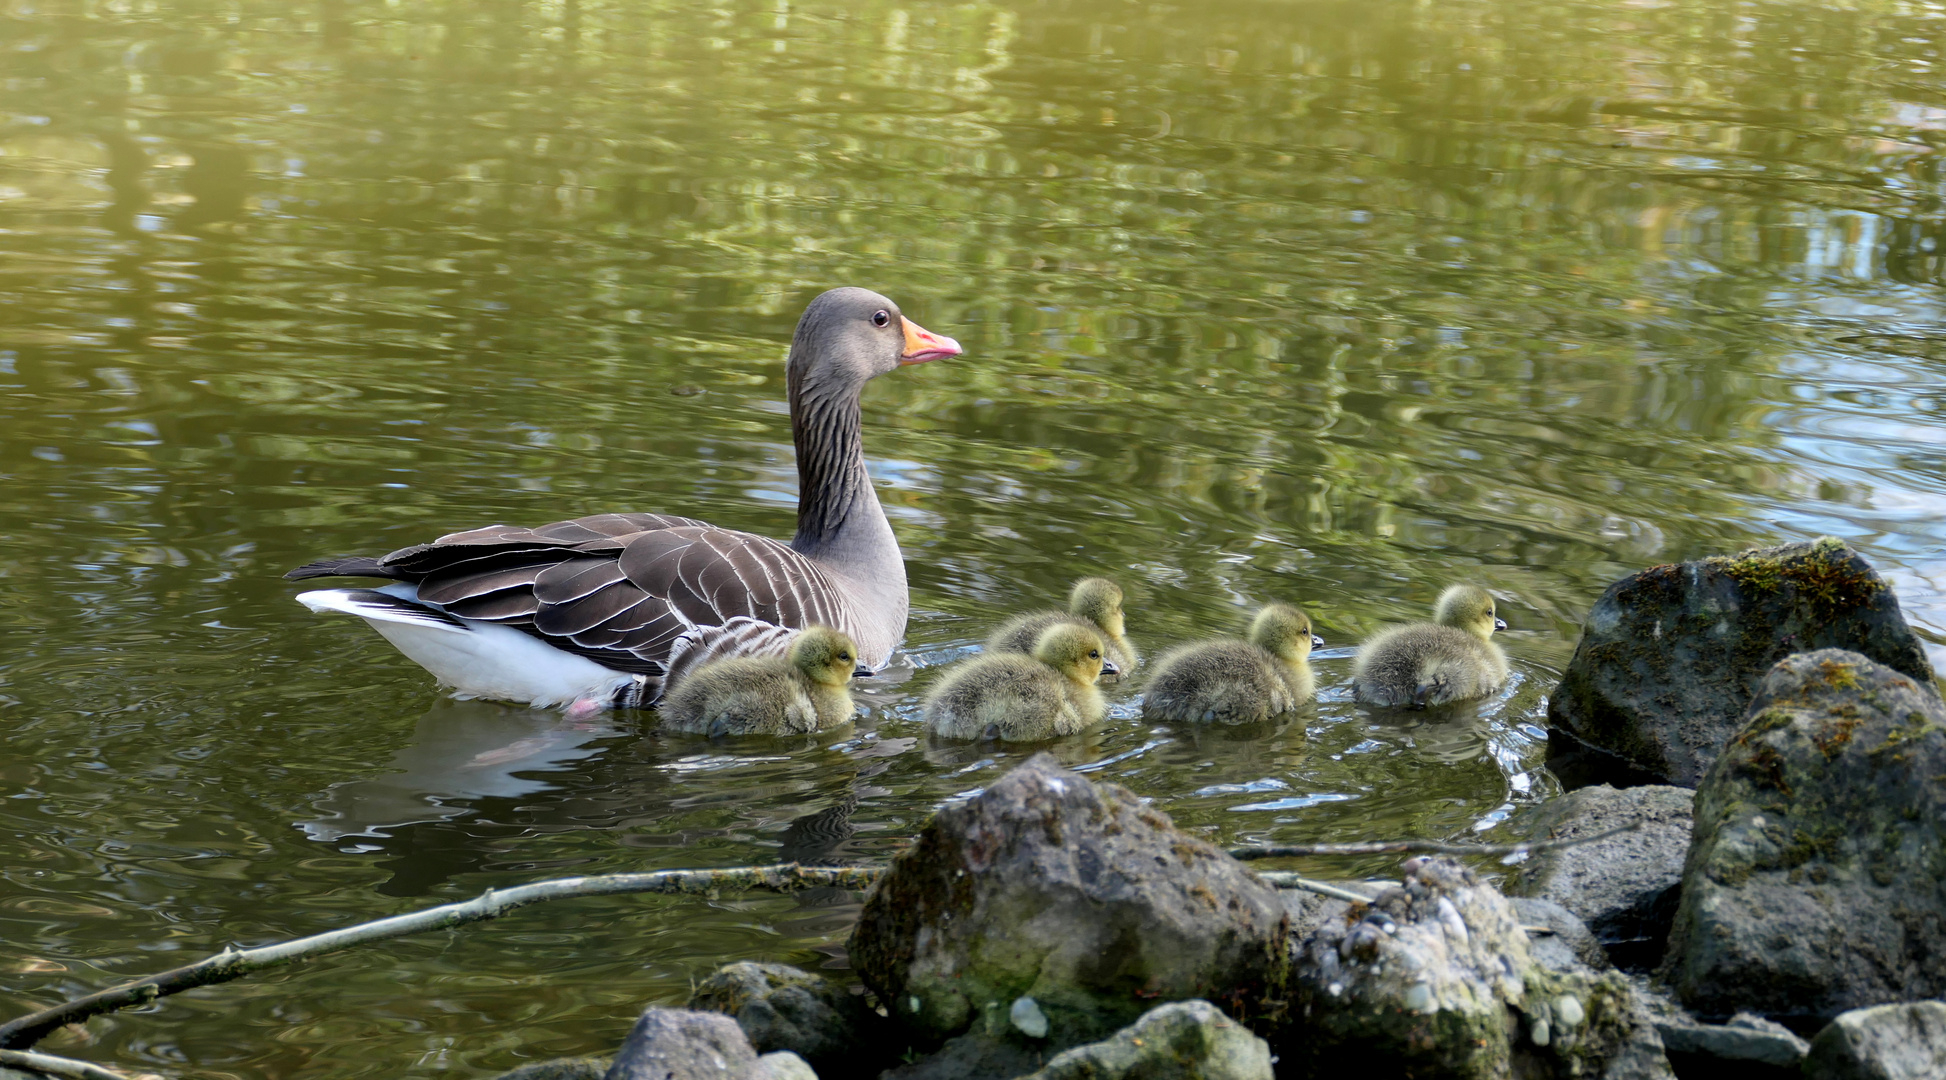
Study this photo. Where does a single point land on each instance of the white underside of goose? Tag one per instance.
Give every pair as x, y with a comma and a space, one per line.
476, 659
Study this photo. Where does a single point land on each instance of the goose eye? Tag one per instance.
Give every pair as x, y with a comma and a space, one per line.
880, 318
1094, 654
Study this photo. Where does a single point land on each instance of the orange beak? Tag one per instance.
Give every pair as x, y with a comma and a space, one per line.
922, 344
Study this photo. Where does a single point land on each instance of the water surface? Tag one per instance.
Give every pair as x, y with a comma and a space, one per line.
1330, 303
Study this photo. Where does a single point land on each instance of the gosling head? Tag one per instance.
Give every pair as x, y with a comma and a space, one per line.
824, 655
1468, 608
1098, 600
1074, 651
1284, 632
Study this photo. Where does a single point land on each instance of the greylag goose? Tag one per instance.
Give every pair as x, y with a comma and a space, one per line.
1023, 698
1095, 603
1237, 681
795, 694
1452, 658
611, 610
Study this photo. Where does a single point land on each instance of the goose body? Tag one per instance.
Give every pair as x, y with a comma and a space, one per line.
795, 694
1019, 698
623, 605
1453, 658
1094, 603
1237, 681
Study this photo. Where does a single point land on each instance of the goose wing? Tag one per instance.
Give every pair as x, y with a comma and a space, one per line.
633, 592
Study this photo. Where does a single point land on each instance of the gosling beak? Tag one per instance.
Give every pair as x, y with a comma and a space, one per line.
1499, 624
862, 672
922, 344
1317, 642
1108, 668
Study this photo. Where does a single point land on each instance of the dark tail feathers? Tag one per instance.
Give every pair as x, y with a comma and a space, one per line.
349, 566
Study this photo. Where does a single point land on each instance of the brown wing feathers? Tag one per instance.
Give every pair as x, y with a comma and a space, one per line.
621, 589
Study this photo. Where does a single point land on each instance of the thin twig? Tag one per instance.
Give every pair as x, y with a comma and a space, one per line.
234, 963
1419, 847
50, 1065
1280, 879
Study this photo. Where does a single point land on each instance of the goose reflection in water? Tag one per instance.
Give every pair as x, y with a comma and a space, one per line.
460, 751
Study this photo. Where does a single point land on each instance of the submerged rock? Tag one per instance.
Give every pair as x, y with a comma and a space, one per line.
1074, 894
1887, 1042
1671, 656
783, 1008
1436, 980
1817, 879
1185, 1040
1625, 887
574, 1068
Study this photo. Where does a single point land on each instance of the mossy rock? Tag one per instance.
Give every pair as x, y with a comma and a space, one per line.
1671, 656
1816, 880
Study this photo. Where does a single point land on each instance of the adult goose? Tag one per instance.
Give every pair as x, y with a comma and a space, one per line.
610, 610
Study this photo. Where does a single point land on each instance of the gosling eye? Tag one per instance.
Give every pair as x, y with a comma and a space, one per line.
881, 317
1094, 654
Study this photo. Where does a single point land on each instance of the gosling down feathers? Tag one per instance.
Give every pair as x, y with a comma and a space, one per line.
1237, 681
1023, 698
1094, 603
800, 692
1452, 658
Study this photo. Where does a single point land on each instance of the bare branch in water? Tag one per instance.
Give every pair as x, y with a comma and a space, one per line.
66, 1068
233, 963
1419, 847
1279, 879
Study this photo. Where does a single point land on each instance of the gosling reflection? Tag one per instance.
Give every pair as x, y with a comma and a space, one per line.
460, 751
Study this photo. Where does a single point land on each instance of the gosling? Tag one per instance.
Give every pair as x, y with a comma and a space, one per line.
1234, 681
801, 692
1453, 658
1023, 698
1095, 603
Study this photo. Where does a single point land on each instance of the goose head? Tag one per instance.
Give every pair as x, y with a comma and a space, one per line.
849, 336
1099, 601
1284, 632
1468, 608
1074, 651
824, 655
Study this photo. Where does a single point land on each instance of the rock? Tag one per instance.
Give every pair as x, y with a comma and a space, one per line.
1625, 887
782, 1008
1436, 979
1888, 1042
783, 1065
1186, 1040
1074, 894
1817, 879
575, 1068
1671, 656
677, 1044
977, 1056
1741, 1047
1558, 940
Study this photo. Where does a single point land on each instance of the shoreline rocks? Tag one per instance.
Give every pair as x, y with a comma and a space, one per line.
1816, 882
783, 1008
1626, 887
1074, 895
1887, 1042
1671, 656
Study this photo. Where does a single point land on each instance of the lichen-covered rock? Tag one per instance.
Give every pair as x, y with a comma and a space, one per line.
783, 1008
575, 1068
677, 1044
1671, 656
1075, 895
1906, 1041
1625, 887
1184, 1040
1816, 882
1436, 981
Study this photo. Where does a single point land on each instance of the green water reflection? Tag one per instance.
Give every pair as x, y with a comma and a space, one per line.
1333, 303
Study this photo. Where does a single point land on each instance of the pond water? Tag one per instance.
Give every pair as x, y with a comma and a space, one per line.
1326, 302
